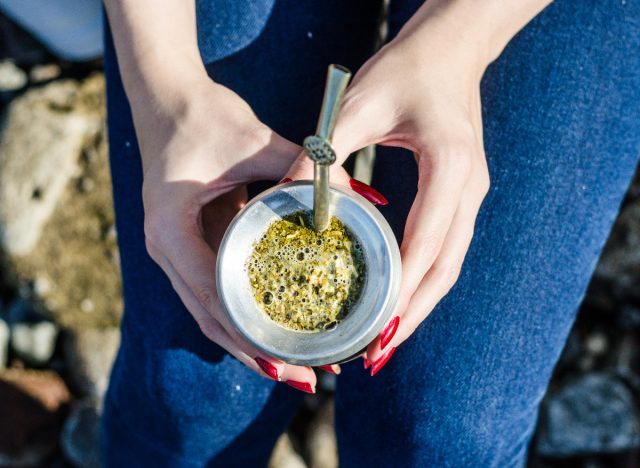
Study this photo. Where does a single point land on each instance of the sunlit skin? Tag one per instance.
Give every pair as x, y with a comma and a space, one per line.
199, 143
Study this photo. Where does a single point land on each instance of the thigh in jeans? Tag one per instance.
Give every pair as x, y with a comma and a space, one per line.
561, 108
177, 399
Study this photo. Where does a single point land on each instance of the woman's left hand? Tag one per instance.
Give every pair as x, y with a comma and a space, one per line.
421, 92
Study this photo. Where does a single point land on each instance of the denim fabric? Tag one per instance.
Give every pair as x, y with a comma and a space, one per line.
561, 108
224, 26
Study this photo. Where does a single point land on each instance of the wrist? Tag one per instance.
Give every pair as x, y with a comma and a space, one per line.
478, 31
163, 83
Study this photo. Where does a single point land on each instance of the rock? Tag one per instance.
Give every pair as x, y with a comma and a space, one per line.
89, 355
321, 445
284, 455
620, 261
78, 261
594, 414
44, 133
81, 436
45, 72
34, 342
597, 344
12, 78
33, 409
4, 343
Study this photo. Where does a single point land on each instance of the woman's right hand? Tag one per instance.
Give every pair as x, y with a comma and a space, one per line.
201, 144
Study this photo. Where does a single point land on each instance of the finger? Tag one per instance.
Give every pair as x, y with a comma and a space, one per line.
302, 169
442, 179
437, 281
206, 310
356, 127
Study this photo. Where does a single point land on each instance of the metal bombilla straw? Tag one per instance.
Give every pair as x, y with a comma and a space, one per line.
318, 147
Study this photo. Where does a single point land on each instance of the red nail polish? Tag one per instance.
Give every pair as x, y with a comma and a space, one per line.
284, 181
368, 192
389, 331
382, 361
332, 368
367, 363
303, 386
267, 368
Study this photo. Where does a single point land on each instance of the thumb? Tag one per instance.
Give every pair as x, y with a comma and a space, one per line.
302, 169
354, 130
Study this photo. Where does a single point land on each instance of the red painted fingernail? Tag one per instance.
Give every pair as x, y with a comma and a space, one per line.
267, 368
389, 331
368, 192
367, 363
284, 181
303, 386
379, 364
332, 368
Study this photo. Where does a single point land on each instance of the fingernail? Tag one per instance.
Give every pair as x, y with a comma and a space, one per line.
284, 181
303, 386
389, 331
333, 368
267, 368
367, 363
368, 192
379, 364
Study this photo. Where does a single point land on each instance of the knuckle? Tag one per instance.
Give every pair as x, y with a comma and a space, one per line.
484, 179
151, 251
448, 273
424, 246
485, 184
153, 230
454, 160
206, 297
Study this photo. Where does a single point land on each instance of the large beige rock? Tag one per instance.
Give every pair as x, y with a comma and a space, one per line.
42, 136
72, 274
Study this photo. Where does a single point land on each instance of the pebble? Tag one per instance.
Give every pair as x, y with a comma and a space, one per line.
44, 72
597, 344
595, 413
34, 342
87, 305
12, 78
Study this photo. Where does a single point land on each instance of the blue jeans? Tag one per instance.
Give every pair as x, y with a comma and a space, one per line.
561, 110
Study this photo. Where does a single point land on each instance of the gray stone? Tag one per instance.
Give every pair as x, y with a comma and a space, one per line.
42, 137
4, 343
81, 436
594, 414
620, 261
34, 342
12, 78
90, 355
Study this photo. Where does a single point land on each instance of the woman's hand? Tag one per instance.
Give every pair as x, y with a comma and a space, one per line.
199, 150
421, 92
